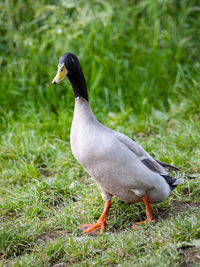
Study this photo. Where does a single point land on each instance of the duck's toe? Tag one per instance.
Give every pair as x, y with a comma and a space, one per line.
140, 223
85, 226
91, 229
94, 228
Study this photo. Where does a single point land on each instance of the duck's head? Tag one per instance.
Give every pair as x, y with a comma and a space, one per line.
69, 66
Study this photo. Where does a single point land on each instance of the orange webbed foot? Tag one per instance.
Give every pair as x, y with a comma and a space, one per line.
94, 228
98, 227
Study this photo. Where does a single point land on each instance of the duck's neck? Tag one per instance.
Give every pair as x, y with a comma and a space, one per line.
83, 116
78, 84
83, 111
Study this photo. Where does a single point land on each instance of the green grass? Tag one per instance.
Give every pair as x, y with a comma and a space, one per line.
141, 62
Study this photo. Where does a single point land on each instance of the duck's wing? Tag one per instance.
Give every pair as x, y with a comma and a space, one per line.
168, 166
154, 165
158, 167
141, 154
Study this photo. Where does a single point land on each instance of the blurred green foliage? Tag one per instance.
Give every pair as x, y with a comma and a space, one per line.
138, 54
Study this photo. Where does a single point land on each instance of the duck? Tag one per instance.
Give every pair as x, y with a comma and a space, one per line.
119, 166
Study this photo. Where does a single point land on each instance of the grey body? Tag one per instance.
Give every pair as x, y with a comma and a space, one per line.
114, 161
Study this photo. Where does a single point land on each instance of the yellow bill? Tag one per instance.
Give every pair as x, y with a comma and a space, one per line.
61, 73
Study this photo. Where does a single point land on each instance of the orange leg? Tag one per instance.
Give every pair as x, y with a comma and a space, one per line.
145, 199
87, 228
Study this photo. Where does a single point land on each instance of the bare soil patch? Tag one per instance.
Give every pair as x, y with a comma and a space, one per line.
50, 236
190, 257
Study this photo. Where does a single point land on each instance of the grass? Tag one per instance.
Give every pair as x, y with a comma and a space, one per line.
141, 62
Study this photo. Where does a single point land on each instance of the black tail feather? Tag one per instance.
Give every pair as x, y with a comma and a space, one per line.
172, 182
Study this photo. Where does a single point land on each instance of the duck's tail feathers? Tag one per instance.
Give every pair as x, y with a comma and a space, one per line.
172, 181
178, 181
176, 174
168, 166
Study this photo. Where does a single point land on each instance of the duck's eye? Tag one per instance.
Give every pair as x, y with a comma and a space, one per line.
62, 69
